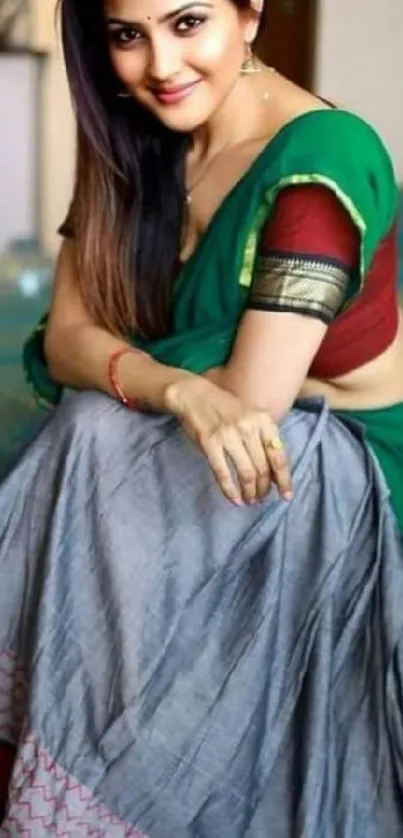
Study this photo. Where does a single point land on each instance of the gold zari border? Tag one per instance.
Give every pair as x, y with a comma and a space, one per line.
299, 284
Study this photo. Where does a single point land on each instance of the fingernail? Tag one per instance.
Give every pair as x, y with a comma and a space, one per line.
238, 502
288, 496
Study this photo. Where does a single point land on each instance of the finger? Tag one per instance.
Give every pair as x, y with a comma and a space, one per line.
234, 447
278, 460
255, 448
218, 463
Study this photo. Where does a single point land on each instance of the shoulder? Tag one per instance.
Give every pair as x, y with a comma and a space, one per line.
326, 132
338, 149
316, 125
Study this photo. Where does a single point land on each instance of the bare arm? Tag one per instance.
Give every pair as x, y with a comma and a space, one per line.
309, 251
270, 360
77, 351
220, 424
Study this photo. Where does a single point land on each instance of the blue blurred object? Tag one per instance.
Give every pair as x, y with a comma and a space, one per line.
26, 274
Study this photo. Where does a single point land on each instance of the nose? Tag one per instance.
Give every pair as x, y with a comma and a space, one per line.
164, 61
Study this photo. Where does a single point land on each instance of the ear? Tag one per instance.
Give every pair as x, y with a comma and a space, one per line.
254, 15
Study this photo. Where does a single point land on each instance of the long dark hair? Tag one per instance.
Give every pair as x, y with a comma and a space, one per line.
128, 205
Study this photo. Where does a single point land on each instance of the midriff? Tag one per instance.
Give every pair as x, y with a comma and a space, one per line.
374, 385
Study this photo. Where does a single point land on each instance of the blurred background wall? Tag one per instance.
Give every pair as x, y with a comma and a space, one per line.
57, 126
359, 62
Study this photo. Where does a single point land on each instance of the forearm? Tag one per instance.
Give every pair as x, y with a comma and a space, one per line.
78, 357
250, 391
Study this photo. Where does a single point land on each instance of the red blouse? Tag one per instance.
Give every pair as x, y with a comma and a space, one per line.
308, 254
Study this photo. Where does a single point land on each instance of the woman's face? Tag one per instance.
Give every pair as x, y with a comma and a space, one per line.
179, 58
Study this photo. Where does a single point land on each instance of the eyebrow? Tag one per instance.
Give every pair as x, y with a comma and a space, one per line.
165, 18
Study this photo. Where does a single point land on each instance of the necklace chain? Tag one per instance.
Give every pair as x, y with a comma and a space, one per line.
192, 187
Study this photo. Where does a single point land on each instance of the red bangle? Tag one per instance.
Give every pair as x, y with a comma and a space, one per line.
114, 381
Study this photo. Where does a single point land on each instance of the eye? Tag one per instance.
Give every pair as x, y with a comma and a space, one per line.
187, 24
125, 36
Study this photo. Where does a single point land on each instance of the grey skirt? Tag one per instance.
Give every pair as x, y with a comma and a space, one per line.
172, 666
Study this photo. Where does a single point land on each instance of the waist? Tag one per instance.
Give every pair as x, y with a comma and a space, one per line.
375, 385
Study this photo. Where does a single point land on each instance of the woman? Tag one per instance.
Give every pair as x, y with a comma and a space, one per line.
198, 663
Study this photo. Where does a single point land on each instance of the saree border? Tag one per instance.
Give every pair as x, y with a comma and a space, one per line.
40, 787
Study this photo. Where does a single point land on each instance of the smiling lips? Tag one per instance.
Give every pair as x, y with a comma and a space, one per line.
173, 95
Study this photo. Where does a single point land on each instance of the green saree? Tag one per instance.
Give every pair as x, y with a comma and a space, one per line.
329, 147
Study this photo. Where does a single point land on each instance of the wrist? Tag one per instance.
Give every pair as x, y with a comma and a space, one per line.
183, 386
150, 384
143, 383
114, 378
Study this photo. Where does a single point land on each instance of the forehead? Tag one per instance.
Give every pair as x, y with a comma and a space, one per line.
154, 10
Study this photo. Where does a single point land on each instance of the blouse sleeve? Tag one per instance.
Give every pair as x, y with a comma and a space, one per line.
308, 254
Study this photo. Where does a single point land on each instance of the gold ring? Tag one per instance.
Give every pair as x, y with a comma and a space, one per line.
275, 444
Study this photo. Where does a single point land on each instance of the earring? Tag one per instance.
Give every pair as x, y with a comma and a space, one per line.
250, 65
123, 95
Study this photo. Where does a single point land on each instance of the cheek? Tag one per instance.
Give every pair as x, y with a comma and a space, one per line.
127, 66
219, 54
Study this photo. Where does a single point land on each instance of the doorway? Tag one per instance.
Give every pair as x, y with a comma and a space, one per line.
287, 39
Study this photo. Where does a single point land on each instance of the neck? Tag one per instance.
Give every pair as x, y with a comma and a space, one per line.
236, 120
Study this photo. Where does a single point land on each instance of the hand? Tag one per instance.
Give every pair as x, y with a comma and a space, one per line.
227, 431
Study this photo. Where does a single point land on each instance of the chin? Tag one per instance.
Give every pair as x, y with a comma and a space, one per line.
185, 120
183, 125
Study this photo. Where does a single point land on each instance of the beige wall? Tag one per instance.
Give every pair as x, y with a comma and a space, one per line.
58, 133
360, 63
